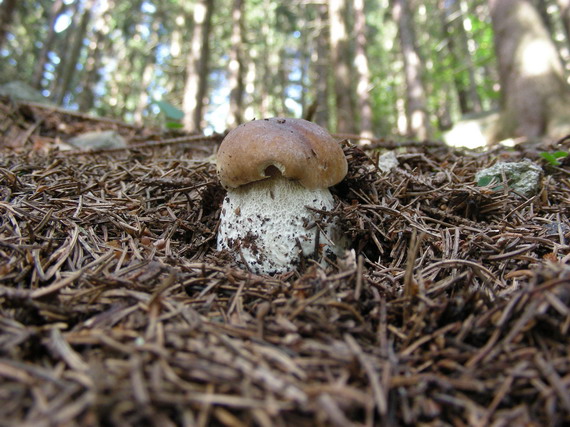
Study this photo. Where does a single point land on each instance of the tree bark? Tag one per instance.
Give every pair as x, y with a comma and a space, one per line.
542, 9
97, 48
416, 111
305, 50
268, 63
340, 56
61, 49
147, 73
458, 47
361, 63
282, 83
535, 96
7, 10
236, 66
70, 68
251, 87
56, 9
92, 68
197, 66
321, 67
564, 6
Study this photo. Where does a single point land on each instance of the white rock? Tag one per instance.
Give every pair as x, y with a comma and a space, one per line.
387, 161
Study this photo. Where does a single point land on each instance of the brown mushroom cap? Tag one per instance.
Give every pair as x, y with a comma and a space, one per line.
301, 150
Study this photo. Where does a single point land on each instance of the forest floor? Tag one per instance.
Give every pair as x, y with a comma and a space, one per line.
453, 308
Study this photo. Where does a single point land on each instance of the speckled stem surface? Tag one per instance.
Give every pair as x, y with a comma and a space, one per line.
267, 224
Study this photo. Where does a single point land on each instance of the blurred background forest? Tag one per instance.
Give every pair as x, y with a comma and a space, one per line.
408, 68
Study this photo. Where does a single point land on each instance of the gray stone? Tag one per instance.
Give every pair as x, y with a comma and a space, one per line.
523, 177
387, 161
20, 91
98, 140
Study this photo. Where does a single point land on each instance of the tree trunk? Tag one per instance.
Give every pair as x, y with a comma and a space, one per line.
458, 47
251, 88
97, 49
467, 43
266, 65
321, 66
361, 62
7, 9
61, 50
304, 62
542, 9
92, 68
535, 96
564, 6
75, 51
283, 82
305, 50
236, 66
197, 66
340, 54
56, 9
147, 72
416, 110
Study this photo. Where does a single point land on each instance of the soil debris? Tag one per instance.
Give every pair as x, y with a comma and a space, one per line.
453, 307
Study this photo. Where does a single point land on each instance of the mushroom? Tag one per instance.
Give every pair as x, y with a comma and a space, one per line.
277, 173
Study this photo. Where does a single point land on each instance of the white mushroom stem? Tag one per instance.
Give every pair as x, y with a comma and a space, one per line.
267, 224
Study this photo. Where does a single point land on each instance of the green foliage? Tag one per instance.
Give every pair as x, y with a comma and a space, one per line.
174, 125
169, 110
485, 180
172, 113
279, 36
553, 158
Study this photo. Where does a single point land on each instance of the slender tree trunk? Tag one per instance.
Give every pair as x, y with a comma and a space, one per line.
548, 22
283, 82
56, 9
535, 95
97, 48
74, 54
340, 54
266, 63
322, 67
361, 62
468, 46
62, 50
416, 110
542, 8
304, 57
251, 86
197, 66
91, 76
147, 76
458, 47
304, 67
564, 6
174, 84
444, 120
7, 9
236, 66
147, 73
